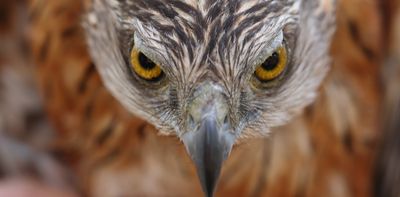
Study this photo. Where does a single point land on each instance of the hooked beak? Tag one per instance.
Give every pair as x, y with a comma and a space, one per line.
210, 142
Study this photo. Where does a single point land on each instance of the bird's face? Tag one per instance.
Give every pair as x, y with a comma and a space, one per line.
211, 72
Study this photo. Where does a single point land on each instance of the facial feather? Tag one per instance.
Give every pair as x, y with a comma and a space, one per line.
219, 41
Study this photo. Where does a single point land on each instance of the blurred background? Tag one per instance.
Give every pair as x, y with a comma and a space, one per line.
26, 165
31, 160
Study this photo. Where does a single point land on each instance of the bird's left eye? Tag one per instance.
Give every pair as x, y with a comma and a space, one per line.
144, 67
273, 66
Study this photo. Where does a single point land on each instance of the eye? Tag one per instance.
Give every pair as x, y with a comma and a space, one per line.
144, 67
273, 66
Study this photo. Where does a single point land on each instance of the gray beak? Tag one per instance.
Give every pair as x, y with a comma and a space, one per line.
210, 142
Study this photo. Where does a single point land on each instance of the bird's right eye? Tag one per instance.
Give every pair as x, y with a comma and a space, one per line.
144, 67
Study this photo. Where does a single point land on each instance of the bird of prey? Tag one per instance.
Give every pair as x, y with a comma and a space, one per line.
243, 89
211, 72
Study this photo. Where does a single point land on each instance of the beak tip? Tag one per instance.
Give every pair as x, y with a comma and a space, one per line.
208, 147
209, 179
209, 193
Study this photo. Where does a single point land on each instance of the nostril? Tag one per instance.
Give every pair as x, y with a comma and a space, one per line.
191, 121
226, 120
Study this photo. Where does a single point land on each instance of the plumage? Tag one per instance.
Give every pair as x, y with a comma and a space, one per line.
327, 148
211, 48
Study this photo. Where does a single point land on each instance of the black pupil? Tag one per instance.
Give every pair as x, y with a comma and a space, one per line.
271, 63
145, 62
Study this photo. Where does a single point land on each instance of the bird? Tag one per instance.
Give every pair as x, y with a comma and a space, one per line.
147, 96
211, 73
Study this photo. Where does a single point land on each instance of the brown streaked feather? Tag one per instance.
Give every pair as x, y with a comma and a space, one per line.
325, 151
97, 135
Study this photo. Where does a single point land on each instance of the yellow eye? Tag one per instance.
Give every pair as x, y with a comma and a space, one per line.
273, 66
144, 67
